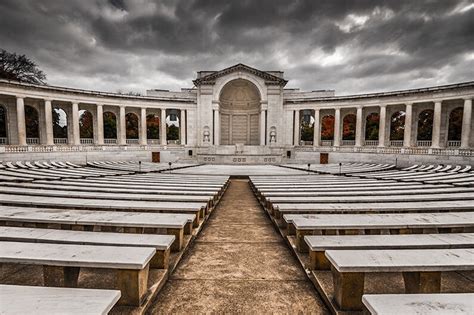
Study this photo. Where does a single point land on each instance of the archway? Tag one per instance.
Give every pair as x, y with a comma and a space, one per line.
372, 127
306, 126
349, 127
3, 126
239, 113
397, 128
60, 126
153, 128
327, 130
110, 128
32, 125
455, 127
173, 126
425, 126
86, 127
131, 126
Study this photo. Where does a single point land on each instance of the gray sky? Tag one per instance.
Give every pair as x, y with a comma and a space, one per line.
350, 46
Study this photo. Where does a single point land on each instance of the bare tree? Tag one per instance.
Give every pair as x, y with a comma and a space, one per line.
19, 68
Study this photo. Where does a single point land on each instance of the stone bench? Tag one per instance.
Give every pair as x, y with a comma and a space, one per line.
106, 221
420, 304
43, 301
62, 263
380, 223
198, 209
318, 244
13, 172
282, 209
421, 269
161, 243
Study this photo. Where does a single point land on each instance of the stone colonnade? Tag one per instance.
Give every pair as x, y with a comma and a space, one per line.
384, 125
98, 123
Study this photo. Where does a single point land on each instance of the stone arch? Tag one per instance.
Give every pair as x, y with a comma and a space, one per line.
3, 125
110, 125
132, 126
372, 122
173, 125
86, 124
153, 122
32, 124
240, 104
455, 124
397, 126
349, 127
307, 126
220, 84
425, 125
327, 128
60, 125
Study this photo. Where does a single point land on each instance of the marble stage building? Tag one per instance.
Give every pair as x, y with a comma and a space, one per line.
238, 115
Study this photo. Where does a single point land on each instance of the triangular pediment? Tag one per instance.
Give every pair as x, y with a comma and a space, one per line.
211, 77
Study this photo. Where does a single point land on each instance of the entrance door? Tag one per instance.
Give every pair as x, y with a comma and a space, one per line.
323, 158
155, 157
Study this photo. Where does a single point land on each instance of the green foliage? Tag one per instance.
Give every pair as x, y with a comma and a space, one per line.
397, 126
3, 122
307, 131
425, 125
110, 126
172, 133
152, 126
32, 122
372, 127
131, 124
86, 127
349, 127
455, 124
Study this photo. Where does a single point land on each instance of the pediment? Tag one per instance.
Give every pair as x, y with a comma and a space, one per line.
210, 78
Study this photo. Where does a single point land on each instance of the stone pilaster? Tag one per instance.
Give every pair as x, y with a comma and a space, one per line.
48, 121
143, 136
217, 126
20, 117
382, 125
182, 126
76, 135
123, 127
317, 128
263, 130
408, 125
100, 125
358, 136
337, 127
163, 139
466, 123
435, 139
296, 136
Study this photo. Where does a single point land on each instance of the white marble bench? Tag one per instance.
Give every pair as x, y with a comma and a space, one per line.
62, 262
45, 301
419, 304
318, 244
162, 243
109, 221
421, 269
196, 208
377, 223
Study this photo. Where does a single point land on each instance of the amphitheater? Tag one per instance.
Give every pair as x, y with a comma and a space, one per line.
236, 196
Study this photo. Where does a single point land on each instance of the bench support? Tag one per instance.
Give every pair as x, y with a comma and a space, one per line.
301, 245
348, 289
54, 276
132, 285
422, 282
318, 261
161, 259
179, 239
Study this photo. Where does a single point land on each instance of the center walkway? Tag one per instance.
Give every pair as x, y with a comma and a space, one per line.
238, 264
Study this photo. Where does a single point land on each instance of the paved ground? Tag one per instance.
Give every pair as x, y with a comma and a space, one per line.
238, 264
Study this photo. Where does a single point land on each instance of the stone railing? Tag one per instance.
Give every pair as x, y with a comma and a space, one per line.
32, 140
389, 150
132, 141
326, 143
110, 141
348, 142
153, 141
60, 140
423, 143
87, 141
396, 143
75, 148
174, 141
3, 141
453, 144
371, 143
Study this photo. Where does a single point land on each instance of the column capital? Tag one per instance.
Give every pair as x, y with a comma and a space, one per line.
359, 107
383, 105
409, 103
22, 96
47, 99
469, 98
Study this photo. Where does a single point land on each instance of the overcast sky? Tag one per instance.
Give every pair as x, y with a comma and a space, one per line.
350, 46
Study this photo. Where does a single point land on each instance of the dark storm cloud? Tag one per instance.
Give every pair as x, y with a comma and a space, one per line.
350, 46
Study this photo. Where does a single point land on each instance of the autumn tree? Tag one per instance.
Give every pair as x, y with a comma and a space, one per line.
20, 68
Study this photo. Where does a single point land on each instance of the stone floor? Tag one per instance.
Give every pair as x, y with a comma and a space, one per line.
238, 264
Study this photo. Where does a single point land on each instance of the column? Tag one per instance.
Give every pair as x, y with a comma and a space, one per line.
20, 120
163, 127
217, 128
436, 125
182, 127
358, 137
382, 122
337, 127
100, 125
317, 129
48, 120
466, 123
76, 135
408, 125
142, 136
296, 122
263, 131
122, 138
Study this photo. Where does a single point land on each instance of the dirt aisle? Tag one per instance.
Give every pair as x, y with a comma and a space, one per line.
238, 264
